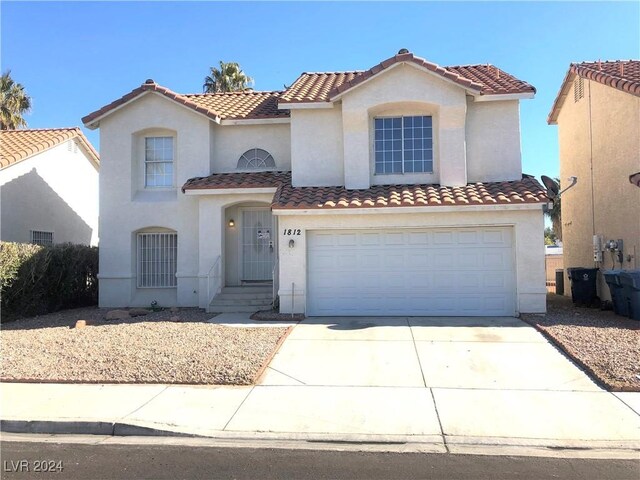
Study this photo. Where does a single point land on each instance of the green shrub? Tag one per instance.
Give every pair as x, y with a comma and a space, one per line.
35, 280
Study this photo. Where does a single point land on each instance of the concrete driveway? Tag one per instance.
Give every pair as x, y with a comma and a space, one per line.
461, 378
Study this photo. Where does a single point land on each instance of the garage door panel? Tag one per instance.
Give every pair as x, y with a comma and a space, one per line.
370, 239
465, 271
496, 237
469, 237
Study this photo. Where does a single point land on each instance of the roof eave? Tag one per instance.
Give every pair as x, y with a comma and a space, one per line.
337, 93
227, 191
497, 97
92, 121
281, 210
552, 118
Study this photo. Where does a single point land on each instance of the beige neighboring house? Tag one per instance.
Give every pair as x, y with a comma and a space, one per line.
598, 116
396, 190
48, 187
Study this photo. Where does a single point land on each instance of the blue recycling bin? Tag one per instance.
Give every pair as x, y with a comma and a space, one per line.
618, 299
630, 281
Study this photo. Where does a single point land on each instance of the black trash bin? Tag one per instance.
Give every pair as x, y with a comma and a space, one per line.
583, 285
612, 277
559, 281
630, 282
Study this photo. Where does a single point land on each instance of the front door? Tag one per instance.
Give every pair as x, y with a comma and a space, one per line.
258, 240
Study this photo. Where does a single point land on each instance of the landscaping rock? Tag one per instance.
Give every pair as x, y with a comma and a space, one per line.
81, 323
175, 319
117, 314
138, 312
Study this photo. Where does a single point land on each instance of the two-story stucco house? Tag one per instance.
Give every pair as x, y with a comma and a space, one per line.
392, 191
597, 111
48, 186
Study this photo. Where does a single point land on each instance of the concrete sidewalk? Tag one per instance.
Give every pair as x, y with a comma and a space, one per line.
458, 386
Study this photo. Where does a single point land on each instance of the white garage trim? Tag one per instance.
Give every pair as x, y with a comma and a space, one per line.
411, 271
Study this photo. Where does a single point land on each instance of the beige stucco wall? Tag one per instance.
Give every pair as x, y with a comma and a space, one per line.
472, 142
229, 142
493, 141
528, 228
125, 207
411, 90
54, 191
317, 154
599, 139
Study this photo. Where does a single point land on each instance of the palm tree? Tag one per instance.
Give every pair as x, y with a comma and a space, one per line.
14, 103
555, 215
229, 78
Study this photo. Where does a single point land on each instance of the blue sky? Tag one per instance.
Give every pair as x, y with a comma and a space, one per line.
75, 57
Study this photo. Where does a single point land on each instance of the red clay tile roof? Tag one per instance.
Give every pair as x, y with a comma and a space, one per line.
315, 87
527, 190
623, 75
217, 106
241, 105
18, 145
238, 180
322, 87
148, 86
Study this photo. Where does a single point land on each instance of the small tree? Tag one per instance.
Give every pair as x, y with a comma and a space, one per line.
228, 78
550, 237
14, 103
555, 215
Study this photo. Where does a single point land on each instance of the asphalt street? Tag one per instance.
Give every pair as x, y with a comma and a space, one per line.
81, 461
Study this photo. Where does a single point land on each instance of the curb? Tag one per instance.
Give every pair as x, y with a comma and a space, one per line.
73, 427
118, 432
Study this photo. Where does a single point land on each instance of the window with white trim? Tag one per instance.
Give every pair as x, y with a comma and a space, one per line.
403, 145
157, 260
38, 237
256, 158
158, 162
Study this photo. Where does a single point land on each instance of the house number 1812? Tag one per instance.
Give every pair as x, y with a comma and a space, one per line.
292, 231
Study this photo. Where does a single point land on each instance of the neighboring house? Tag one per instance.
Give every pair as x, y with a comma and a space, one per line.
49, 187
392, 191
598, 115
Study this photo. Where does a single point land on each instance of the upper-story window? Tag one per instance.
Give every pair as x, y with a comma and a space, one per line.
403, 145
158, 162
256, 158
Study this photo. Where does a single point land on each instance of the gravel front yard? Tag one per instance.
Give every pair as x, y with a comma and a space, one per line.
605, 344
145, 349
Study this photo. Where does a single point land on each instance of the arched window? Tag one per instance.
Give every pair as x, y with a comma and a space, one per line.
256, 158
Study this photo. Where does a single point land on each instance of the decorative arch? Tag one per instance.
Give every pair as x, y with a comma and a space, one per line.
256, 158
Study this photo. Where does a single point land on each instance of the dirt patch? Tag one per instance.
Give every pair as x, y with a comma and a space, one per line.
606, 345
270, 315
160, 347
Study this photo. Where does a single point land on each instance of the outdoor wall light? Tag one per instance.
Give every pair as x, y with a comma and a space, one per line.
291, 243
232, 223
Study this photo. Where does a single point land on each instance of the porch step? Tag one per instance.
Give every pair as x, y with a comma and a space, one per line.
236, 308
243, 299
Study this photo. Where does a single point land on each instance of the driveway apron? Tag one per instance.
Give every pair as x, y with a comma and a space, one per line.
460, 378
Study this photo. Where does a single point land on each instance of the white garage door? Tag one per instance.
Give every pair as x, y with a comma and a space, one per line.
448, 272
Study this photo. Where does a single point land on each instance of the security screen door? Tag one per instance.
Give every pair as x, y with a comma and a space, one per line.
258, 240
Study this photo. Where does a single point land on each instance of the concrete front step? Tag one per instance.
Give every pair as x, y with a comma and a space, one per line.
248, 289
237, 308
246, 298
241, 301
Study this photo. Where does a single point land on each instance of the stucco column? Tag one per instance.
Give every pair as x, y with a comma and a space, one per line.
210, 244
356, 148
292, 283
453, 156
